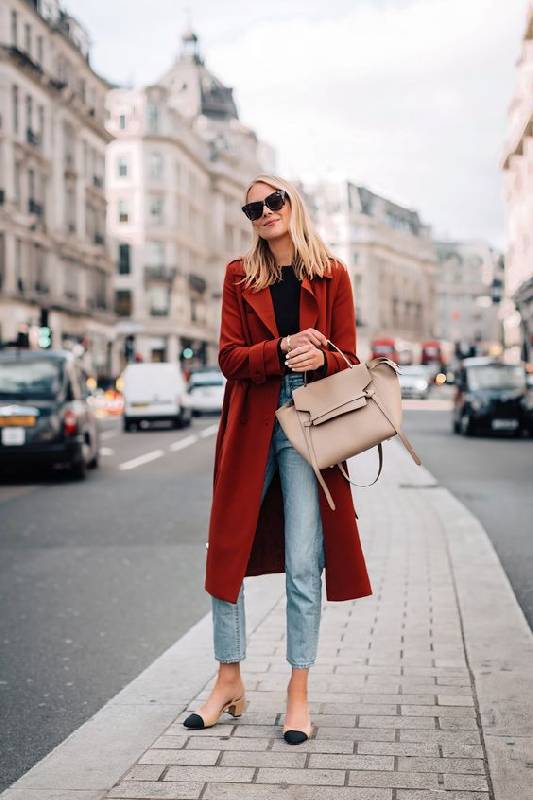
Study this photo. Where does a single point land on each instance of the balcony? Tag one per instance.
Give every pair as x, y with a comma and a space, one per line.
35, 208
160, 273
24, 60
33, 138
54, 83
41, 287
98, 238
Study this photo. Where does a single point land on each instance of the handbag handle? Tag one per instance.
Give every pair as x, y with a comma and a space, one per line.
340, 351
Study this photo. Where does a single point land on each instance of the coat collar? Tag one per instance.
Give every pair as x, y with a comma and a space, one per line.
261, 302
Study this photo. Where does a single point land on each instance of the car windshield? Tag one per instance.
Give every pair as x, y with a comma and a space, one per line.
206, 379
29, 380
413, 369
493, 376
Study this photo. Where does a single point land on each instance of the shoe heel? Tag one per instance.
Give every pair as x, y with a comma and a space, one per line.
237, 708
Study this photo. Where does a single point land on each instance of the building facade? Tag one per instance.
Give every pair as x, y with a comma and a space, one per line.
177, 169
391, 259
55, 269
518, 180
466, 294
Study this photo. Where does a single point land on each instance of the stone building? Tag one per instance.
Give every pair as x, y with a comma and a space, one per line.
518, 179
54, 264
465, 312
390, 256
176, 172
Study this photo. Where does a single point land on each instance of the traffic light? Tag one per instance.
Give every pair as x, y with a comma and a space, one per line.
129, 347
44, 334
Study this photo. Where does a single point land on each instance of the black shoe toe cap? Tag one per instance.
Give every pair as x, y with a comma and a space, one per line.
295, 737
194, 721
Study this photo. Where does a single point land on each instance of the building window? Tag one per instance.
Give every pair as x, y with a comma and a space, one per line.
152, 113
29, 112
14, 29
122, 122
159, 301
124, 264
15, 99
40, 50
27, 38
156, 165
155, 254
122, 167
156, 210
123, 211
123, 305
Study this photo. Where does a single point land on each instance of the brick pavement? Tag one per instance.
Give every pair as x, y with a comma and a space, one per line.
393, 699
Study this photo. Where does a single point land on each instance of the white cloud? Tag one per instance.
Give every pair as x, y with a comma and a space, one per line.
406, 96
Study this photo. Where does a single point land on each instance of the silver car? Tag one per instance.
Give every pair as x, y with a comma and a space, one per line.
205, 391
415, 381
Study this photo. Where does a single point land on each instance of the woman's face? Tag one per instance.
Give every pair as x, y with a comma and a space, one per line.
271, 224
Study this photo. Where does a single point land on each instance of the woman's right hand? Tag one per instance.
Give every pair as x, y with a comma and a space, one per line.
307, 336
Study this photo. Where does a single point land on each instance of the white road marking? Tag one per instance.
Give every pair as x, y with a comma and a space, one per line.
209, 431
109, 434
140, 460
182, 443
106, 451
427, 405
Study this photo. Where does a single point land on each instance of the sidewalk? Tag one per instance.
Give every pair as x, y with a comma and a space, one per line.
423, 691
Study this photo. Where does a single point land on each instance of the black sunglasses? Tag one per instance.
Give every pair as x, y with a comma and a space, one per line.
273, 201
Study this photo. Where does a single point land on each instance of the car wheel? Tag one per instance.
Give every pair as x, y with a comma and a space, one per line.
78, 470
128, 426
467, 426
94, 462
456, 426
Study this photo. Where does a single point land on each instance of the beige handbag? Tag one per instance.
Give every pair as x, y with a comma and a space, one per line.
336, 417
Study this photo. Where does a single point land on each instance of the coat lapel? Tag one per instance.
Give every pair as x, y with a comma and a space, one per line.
263, 306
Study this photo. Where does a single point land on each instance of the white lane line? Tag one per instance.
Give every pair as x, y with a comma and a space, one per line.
109, 434
427, 405
106, 451
209, 431
140, 460
182, 443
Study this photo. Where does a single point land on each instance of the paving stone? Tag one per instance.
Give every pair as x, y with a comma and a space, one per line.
457, 712
144, 772
398, 748
469, 782
357, 734
405, 780
357, 708
228, 743
413, 794
303, 777
134, 790
458, 723
454, 700
337, 720
256, 791
158, 756
462, 751
168, 741
351, 761
441, 737
220, 774
319, 746
462, 765
397, 722
265, 759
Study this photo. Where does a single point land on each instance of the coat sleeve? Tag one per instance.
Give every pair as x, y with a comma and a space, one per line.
343, 332
237, 360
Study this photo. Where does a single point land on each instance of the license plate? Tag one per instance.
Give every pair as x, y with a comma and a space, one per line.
504, 424
17, 422
11, 436
139, 405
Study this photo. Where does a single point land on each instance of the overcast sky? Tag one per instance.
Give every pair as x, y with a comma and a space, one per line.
408, 97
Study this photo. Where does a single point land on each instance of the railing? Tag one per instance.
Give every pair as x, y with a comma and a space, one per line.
32, 137
98, 238
35, 208
161, 272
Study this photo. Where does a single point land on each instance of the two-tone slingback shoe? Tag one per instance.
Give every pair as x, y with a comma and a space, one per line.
234, 707
293, 736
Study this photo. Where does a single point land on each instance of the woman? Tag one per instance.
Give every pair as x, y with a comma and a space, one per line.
269, 514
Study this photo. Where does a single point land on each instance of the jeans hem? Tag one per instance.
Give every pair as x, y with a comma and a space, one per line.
230, 660
301, 666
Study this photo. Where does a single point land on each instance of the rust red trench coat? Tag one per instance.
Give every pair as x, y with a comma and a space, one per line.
246, 537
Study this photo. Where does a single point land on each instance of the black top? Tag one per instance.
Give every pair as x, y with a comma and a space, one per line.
286, 300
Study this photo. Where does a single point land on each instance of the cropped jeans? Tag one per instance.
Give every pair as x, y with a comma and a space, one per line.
304, 555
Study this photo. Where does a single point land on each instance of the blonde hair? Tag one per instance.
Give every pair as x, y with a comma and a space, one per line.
311, 256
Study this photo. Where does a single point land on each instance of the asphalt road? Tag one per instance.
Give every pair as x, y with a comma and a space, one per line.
98, 578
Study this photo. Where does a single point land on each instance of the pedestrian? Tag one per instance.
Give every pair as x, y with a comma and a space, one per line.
280, 302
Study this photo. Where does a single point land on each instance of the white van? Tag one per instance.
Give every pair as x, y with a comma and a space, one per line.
154, 391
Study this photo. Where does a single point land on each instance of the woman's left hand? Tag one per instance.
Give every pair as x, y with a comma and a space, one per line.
305, 357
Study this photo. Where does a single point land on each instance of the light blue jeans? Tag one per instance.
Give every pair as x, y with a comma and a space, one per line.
304, 555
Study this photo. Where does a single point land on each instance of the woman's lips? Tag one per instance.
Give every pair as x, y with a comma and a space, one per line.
272, 222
